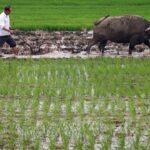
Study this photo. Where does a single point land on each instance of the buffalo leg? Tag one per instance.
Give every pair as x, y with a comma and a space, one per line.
133, 42
91, 43
101, 46
131, 47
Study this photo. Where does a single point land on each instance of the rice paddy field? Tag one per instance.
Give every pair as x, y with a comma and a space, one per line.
74, 104
70, 14
100, 103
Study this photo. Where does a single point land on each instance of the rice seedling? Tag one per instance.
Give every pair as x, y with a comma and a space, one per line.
137, 139
69, 112
90, 137
53, 135
107, 140
122, 140
65, 138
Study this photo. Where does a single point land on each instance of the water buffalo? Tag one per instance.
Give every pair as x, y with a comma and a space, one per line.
120, 29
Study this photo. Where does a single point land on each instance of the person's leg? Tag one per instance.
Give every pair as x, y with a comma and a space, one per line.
2, 41
12, 44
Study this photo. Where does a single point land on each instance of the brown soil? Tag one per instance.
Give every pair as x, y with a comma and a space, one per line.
65, 44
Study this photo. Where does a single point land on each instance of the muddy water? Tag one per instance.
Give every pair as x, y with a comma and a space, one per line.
65, 44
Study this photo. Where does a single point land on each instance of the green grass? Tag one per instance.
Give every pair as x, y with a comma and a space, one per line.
70, 15
75, 103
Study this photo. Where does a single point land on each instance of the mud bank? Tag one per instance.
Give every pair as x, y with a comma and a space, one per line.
65, 44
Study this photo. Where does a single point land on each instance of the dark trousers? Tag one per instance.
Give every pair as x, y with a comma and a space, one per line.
8, 39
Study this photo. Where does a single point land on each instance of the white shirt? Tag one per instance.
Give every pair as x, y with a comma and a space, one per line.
4, 22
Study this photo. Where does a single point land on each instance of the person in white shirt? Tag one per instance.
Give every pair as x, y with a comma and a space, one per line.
5, 30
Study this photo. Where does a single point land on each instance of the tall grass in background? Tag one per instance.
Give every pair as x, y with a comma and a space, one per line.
70, 15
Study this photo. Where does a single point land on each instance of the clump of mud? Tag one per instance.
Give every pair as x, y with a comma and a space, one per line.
65, 44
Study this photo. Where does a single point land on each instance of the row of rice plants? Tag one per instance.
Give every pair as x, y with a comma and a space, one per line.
26, 122
79, 79
74, 104
102, 130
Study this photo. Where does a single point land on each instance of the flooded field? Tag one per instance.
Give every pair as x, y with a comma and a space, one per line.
99, 103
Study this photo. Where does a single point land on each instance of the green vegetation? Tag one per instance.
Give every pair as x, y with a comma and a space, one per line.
83, 104
99, 103
70, 14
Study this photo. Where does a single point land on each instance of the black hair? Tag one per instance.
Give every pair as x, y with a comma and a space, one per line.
7, 8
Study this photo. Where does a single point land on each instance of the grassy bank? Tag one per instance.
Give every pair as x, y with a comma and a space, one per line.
75, 104
70, 15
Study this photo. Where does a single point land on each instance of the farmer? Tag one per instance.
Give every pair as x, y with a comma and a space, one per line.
5, 30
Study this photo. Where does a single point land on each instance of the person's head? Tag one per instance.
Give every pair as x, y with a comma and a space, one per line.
7, 9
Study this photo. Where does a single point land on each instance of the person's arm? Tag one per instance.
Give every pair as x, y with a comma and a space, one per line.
8, 30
